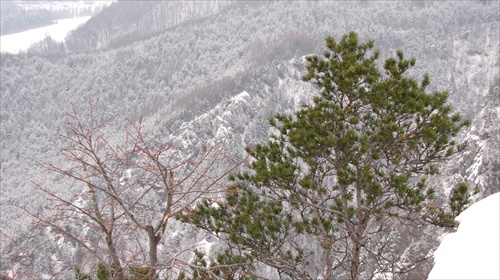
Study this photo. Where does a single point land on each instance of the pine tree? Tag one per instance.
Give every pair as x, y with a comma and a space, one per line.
341, 170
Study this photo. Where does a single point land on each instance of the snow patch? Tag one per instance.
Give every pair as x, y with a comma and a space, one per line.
242, 97
473, 251
215, 205
473, 170
205, 246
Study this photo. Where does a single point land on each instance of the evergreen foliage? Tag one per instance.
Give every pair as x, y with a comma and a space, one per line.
79, 275
342, 170
104, 273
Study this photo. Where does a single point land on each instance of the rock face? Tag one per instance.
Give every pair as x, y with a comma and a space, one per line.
484, 137
200, 71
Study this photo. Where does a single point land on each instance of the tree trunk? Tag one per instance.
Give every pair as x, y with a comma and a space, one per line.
117, 267
355, 260
153, 251
328, 259
357, 242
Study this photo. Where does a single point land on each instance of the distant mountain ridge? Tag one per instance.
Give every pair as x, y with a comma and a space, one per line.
18, 16
127, 21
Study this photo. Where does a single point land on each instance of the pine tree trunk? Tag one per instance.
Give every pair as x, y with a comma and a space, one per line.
357, 241
355, 260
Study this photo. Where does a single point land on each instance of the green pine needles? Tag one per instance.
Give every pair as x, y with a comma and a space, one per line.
344, 170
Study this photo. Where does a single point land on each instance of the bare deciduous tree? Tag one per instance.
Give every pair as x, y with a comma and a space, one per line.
126, 192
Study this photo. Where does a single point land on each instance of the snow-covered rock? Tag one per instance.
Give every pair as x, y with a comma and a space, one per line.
473, 252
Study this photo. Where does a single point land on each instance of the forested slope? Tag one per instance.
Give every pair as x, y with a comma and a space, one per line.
187, 80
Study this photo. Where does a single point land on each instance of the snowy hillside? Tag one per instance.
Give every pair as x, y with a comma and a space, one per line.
199, 72
473, 252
